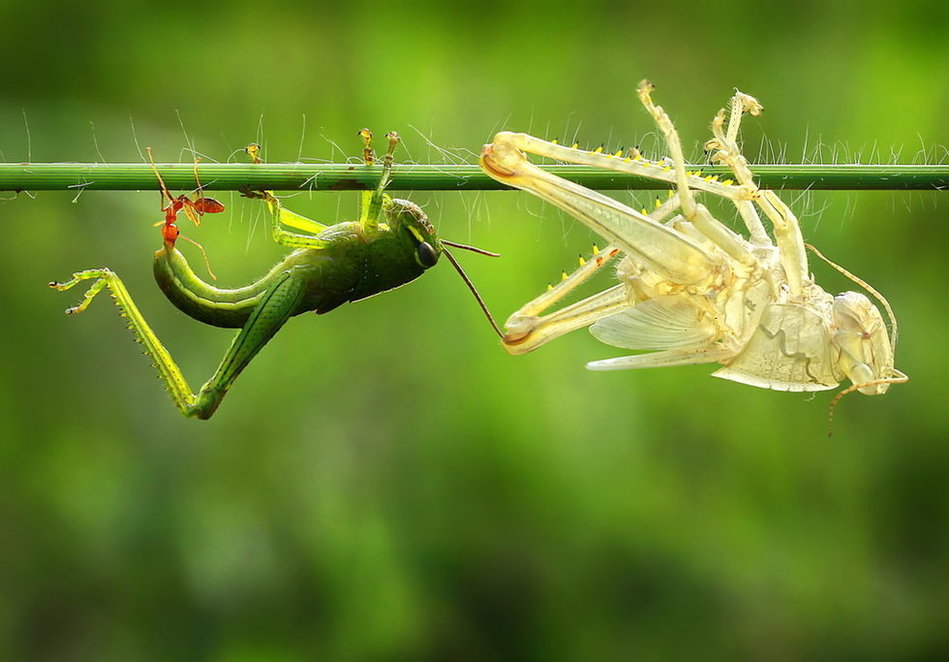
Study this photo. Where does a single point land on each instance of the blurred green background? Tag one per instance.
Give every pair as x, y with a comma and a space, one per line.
385, 482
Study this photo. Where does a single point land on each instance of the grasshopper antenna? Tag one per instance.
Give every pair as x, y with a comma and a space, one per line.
473, 249
464, 276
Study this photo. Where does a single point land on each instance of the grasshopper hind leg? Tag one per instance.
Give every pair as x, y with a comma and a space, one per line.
278, 304
167, 368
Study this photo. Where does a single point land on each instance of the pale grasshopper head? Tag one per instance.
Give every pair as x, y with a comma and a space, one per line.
866, 352
866, 349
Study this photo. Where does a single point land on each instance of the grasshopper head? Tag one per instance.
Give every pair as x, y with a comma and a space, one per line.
411, 225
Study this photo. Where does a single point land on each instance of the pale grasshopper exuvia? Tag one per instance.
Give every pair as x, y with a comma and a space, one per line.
691, 290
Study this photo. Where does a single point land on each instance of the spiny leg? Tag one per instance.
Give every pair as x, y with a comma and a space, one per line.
567, 283
740, 104
527, 330
525, 334
634, 164
725, 140
659, 248
277, 306
167, 369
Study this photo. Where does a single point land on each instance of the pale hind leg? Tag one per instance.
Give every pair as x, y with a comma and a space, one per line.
527, 329
526, 333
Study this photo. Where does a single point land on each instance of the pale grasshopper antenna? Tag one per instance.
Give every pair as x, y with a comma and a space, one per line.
174, 206
896, 377
464, 276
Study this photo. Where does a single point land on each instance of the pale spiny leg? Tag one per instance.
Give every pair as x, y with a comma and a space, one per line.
567, 284
741, 103
633, 165
756, 232
540, 330
587, 268
527, 331
674, 257
787, 231
696, 213
637, 165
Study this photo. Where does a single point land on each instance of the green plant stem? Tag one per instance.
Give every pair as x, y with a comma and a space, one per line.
346, 177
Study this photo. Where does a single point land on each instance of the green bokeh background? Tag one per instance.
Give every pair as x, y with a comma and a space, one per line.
385, 482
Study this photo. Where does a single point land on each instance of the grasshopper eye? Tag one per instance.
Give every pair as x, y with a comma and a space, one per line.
426, 255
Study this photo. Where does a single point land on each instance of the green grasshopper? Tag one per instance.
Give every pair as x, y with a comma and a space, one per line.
393, 243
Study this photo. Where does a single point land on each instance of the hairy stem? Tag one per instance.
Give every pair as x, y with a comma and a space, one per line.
417, 177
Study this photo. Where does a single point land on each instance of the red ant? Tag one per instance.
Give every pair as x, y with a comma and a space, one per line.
193, 209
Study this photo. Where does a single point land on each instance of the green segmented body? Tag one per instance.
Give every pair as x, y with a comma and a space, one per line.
392, 244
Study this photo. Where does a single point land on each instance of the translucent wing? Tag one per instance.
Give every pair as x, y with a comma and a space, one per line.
659, 323
789, 351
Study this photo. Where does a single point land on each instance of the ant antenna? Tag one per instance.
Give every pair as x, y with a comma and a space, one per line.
464, 276
161, 182
204, 253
